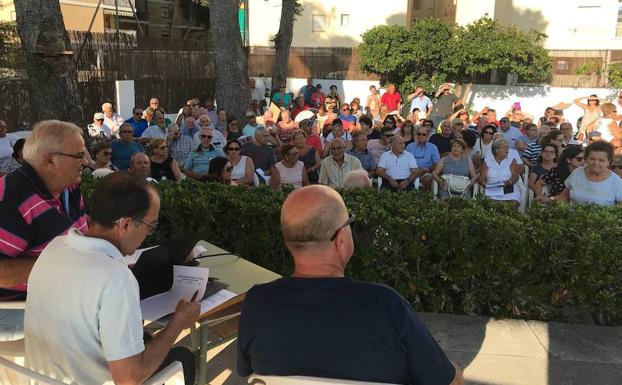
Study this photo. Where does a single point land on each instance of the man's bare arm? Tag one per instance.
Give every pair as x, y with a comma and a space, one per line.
15, 271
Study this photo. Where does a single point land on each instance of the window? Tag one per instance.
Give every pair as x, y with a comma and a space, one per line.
318, 23
345, 20
561, 66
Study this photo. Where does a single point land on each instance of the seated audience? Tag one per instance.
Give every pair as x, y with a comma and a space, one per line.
289, 171
102, 153
567, 135
398, 168
48, 180
616, 164
157, 129
335, 167
17, 158
219, 171
483, 145
442, 140
595, 182
307, 155
320, 323
532, 151
499, 174
260, 152
569, 160
360, 151
455, 165
547, 160
197, 163
243, 172
285, 126
179, 145
97, 129
233, 129
138, 123
163, 166
337, 131
426, 154
112, 119
125, 147
93, 332
313, 139
377, 147
357, 179
140, 165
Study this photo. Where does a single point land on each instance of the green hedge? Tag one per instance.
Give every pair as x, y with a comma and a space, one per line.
456, 256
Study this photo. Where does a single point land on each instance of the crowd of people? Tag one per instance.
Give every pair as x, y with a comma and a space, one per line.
308, 137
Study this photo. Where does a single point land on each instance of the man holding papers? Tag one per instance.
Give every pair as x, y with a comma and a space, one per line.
83, 320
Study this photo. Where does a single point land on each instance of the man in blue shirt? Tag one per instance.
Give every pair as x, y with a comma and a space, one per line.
138, 123
359, 150
197, 163
320, 323
426, 154
421, 101
125, 147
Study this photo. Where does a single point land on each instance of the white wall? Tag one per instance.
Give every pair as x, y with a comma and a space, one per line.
264, 18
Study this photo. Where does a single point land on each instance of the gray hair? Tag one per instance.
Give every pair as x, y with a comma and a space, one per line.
106, 105
498, 143
357, 179
261, 130
136, 155
48, 136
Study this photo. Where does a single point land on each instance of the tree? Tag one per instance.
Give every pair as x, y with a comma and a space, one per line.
429, 52
51, 67
283, 40
232, 91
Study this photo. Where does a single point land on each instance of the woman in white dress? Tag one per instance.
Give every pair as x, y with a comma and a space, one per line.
243, 169
499, 174
606, 125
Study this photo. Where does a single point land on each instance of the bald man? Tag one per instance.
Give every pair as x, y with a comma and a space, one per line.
320, 323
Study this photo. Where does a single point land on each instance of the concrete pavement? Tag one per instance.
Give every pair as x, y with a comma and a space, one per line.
501, 352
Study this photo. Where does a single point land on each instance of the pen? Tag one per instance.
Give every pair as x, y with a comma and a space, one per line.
196, 293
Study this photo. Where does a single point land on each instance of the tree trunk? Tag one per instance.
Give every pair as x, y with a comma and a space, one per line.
51, 67
232, 92
282, 42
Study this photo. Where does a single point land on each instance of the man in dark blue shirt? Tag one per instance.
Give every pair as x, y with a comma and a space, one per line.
319, 323
138, 123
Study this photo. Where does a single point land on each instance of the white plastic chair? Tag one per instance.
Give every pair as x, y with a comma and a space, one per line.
14, 349
12, 373
304, 380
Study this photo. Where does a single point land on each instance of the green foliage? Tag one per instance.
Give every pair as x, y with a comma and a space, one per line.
615, 76
429, 53
589, 68
455, 256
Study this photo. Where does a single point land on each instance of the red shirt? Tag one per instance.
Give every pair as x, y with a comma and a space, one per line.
315, 141
391, 100
296, 110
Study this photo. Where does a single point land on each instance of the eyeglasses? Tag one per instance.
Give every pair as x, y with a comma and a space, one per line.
152, 226
100, 120
79, 155
389, 135
233, 148
421, 134
206, 136
350, 222
108, 153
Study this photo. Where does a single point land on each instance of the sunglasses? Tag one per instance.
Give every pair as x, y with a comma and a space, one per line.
100, 120
350, 222
345, 109
421, 134
206, 136
389, 135
233, 148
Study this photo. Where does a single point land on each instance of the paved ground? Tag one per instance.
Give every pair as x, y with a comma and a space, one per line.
502, 352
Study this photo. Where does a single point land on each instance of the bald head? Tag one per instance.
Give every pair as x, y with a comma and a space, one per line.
311, 215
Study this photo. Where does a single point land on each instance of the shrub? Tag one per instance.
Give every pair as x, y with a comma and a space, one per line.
455, 256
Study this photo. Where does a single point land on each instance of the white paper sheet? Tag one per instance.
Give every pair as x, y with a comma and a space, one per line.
216, 299
198, 250
186, 281
132, 259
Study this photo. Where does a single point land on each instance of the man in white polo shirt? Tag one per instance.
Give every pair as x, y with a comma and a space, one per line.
83, 321
398, 168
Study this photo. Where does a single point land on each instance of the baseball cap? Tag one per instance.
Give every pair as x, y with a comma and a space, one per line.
250, 114
98, 115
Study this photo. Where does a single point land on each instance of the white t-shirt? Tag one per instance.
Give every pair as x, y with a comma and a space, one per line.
82, 310
605, 193
397, 166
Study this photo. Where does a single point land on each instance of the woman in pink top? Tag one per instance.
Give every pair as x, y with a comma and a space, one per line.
289, 171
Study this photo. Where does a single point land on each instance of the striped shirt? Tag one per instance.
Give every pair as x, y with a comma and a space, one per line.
30, 217
532, 152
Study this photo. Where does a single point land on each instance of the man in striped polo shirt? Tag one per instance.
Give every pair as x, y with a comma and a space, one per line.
38, 202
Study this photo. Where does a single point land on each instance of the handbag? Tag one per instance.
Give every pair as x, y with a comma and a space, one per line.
456, 184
